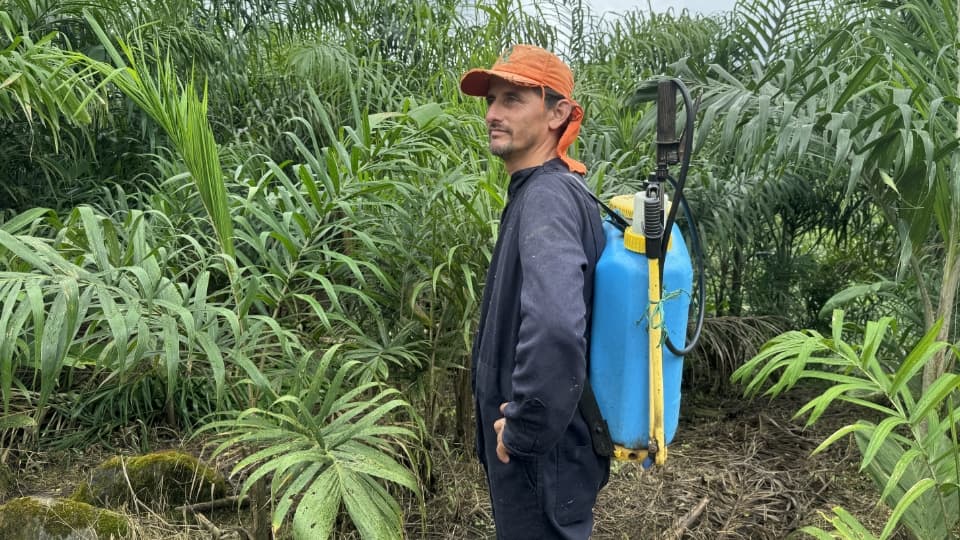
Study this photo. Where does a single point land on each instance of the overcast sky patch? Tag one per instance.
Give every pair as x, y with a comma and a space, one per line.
705, 7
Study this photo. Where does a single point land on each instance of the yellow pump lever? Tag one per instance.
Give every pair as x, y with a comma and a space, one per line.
655, 319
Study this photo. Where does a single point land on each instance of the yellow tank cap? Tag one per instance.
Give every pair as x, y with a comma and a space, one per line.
634, 241
623, 204
637, 243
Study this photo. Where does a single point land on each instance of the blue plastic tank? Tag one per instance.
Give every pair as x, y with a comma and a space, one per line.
619, 347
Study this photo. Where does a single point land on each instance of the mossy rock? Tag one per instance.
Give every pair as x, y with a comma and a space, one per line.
159, 480
30, 518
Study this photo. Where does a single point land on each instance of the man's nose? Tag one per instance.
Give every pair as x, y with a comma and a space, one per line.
493, 113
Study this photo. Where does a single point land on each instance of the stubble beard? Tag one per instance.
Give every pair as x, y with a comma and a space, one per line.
502, 149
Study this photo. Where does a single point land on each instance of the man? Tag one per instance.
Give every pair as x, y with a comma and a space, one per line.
530, 353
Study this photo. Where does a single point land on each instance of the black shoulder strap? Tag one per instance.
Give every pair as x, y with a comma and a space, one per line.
599, 431
618, 221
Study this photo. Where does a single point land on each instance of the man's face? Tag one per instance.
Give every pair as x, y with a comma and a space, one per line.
517, 120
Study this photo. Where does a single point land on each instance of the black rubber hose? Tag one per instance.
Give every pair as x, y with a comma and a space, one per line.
701, 288
671, 218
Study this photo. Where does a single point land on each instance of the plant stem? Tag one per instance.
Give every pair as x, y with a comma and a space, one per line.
951, 265
929, 313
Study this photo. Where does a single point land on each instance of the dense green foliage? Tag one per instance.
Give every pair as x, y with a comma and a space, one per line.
278, 215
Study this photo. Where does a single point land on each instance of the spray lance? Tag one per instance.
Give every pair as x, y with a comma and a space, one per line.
642, 294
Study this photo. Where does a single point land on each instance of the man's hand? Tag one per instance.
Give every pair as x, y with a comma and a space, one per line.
498, 426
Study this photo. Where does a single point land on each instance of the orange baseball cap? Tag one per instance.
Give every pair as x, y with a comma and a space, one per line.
528, 65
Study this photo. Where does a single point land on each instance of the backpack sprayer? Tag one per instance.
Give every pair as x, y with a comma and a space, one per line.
642, 293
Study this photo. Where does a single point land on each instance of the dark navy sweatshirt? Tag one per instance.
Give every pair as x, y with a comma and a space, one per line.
532, 342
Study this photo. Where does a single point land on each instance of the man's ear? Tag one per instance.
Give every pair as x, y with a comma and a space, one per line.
560, 114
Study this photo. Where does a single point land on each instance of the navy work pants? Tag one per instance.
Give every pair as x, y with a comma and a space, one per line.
549, 496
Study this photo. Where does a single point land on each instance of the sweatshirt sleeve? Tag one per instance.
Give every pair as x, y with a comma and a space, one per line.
551, 347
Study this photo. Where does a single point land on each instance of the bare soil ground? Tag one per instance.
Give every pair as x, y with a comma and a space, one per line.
747, 462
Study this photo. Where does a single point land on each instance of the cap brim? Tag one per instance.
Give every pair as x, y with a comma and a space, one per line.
476, 82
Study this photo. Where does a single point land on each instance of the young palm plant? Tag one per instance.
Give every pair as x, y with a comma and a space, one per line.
324, 447
911, 452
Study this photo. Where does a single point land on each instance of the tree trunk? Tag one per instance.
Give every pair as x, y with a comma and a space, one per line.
736, 283
718, 295
171, 413
943, 362
261, 528
464, 399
